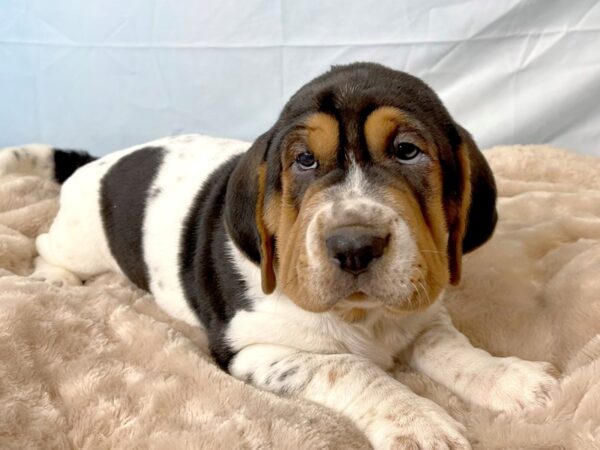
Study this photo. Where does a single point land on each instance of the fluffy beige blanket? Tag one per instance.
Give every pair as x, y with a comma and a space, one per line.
100, 366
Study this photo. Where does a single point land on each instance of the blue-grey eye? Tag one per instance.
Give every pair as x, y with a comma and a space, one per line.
306, 161
407, 153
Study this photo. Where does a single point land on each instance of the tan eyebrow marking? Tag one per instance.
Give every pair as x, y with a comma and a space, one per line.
323, 136
379, 126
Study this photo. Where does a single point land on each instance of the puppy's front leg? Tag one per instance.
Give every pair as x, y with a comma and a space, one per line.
502, 384
389, 413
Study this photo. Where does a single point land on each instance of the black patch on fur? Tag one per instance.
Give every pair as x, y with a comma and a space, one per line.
68, 161
212, 287
124, 190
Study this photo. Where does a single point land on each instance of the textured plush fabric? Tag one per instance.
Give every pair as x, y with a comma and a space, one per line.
100, 366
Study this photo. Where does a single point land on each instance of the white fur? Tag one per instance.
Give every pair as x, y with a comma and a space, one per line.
275, 318
502, 384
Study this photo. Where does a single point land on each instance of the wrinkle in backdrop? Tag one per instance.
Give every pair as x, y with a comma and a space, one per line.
105, 74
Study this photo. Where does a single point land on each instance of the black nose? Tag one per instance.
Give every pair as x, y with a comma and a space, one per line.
355, 248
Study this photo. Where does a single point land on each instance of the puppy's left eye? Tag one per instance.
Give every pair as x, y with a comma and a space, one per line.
407, 153
306, 161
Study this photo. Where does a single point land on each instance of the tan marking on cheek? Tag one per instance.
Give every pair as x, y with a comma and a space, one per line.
280, 217
288, 239
430, 274
380, 125
291, 250
322, 134
435, 213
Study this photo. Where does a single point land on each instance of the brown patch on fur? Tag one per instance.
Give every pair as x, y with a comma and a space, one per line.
266, 239
332, 376
322, 136
457, 226
380, 125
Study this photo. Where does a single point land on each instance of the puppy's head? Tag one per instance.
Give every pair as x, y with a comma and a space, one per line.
365, 192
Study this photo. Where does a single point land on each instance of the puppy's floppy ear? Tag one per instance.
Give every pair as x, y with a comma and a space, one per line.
473, 216
244, 210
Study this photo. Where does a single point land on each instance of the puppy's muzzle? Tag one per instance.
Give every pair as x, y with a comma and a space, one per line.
354, 248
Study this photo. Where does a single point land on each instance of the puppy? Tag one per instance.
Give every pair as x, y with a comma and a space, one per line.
312, 258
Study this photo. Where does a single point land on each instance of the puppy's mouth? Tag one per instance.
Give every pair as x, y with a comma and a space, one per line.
358, 296
357, 300
361, 300
358, 263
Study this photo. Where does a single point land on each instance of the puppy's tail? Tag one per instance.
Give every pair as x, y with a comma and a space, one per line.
43, 161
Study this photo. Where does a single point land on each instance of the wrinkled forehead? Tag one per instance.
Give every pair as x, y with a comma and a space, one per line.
351, 93
343, 139
360, 112
351, 115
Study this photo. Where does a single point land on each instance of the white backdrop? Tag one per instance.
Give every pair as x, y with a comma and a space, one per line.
105, 74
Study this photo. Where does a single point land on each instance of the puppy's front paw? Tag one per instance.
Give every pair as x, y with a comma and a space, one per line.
420, 426
56, 276
519, 385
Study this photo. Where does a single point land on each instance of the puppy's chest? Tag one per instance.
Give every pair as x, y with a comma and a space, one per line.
383, 338
377, 337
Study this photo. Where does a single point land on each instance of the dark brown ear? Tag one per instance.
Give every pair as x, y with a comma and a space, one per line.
474, 217
244, 210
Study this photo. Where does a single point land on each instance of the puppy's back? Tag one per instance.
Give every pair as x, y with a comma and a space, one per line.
125, 212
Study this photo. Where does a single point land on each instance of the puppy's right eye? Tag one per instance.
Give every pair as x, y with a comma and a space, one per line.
407, 153
306, 161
